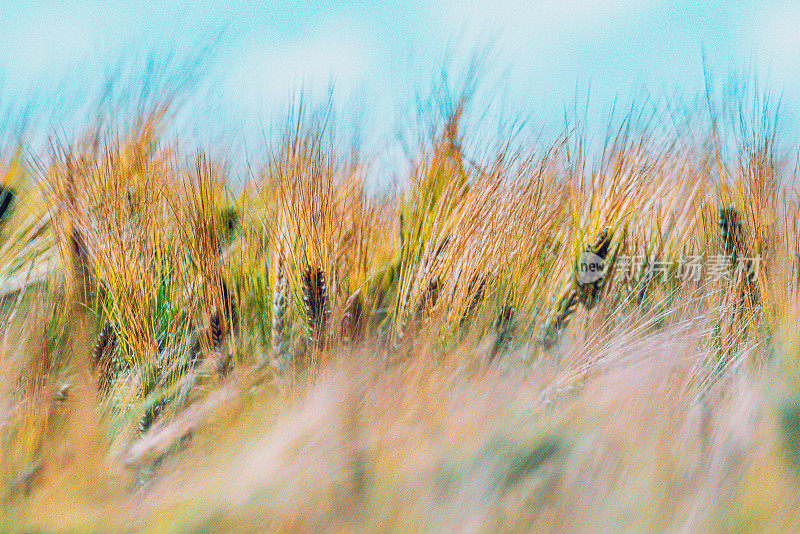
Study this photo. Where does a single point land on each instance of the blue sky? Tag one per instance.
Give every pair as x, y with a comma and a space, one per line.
544, 53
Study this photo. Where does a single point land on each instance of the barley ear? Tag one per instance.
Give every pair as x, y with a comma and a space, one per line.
504, 327
352, 326
559, 317
8, 197
81, 263
315, 301
279, 313
478, 294
426, 303
730, 227
215, 330
102, 356
589, 291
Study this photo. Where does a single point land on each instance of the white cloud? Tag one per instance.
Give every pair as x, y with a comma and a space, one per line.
46, 40
273, 71
534, 19
777, 42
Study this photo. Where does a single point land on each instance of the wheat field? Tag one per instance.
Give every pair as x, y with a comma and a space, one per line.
561, 336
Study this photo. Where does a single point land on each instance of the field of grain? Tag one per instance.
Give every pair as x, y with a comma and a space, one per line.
549, 336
